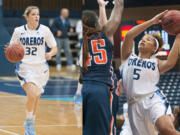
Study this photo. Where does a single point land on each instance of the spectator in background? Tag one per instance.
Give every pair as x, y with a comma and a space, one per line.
61, 27
79, 31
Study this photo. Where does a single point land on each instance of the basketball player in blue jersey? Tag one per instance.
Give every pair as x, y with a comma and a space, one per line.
116, 89
97, 75
148, 111
33, 70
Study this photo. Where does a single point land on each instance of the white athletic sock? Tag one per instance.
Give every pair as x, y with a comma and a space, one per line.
29, 115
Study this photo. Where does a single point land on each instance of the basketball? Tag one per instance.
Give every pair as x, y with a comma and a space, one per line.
171, 22
14, 52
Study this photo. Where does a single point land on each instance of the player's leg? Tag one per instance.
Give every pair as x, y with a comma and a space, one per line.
68, 54
31, 91
96, 108
77, 96
36, 105
137, 119
115, 106
160, 113
32, 94
58, 55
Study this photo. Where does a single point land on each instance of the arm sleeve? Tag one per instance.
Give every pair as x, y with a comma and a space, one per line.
50, 40
15, 36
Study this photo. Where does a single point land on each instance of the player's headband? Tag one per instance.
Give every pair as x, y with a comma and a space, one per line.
157, 44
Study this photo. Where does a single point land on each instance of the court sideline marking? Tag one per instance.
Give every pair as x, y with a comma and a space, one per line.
52, 125
6, 131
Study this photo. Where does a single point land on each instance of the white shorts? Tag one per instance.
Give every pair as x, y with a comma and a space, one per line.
37, 74
144, 113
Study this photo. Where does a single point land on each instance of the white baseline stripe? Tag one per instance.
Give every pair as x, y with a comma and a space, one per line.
47, 86
61, 125
50, 80
11, 133
44, 96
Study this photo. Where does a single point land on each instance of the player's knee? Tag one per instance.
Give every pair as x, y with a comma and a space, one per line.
31, 97
33, 94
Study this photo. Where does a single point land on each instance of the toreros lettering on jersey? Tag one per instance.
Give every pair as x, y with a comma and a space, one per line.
32, 40
142, 63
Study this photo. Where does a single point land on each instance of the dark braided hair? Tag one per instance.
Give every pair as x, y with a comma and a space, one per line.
90, 23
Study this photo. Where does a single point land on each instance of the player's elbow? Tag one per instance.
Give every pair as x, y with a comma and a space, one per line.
171, 64
129, 35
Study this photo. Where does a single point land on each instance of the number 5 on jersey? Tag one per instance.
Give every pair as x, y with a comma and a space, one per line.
99, 55
136, 74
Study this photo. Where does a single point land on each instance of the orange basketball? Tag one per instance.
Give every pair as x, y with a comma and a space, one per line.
171, 22
14, 52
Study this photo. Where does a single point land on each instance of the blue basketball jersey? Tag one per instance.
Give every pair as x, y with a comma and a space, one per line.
99, 60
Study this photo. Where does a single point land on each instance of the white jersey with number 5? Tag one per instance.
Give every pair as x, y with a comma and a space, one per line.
34, 42
139, 76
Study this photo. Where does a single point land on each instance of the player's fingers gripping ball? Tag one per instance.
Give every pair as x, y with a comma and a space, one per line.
171, 22
14, 52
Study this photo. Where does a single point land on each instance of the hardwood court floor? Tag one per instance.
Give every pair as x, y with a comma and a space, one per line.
64, 72
54, 117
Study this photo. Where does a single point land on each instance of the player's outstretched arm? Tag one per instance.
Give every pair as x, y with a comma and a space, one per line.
135, 31
165, 65
115, 18
102, 12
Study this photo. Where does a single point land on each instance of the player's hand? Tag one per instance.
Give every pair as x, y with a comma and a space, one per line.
119, 88
48, 56
175, 113
5, 47
71, 30
102, 3
59, 33
157, 18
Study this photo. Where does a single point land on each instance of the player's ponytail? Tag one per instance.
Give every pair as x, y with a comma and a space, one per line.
90, 21
85, 49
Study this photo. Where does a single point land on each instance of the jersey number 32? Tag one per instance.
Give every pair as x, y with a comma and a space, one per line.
31, 50
99, 55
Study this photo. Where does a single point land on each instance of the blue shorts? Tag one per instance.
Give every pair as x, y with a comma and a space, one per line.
97, 108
